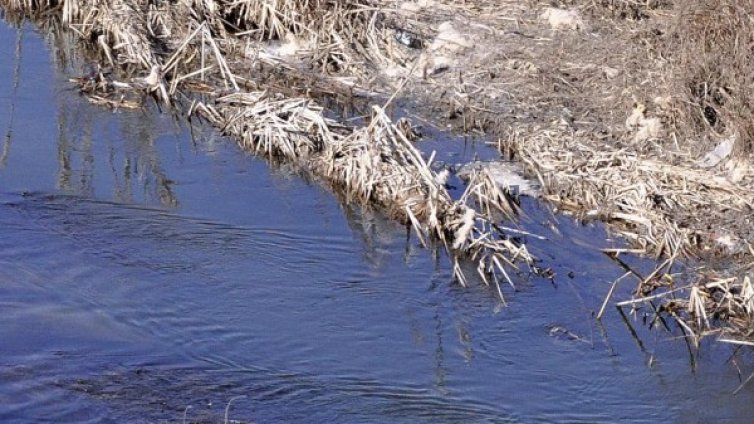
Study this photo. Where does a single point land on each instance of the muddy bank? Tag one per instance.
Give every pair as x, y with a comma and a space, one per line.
578, 93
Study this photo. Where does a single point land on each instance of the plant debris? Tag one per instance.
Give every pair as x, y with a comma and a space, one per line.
167, 49
638, 114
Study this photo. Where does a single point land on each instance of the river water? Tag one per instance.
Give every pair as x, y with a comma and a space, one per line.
152, 272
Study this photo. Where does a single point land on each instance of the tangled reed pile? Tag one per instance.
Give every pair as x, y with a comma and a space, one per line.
715, 69
650, 130
634, 113
207, 58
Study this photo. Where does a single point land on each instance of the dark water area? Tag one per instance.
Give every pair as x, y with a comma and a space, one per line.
151, 272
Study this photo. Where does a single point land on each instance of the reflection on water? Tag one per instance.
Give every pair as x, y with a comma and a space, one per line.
134, 167
13, 98
148, 272
136, 171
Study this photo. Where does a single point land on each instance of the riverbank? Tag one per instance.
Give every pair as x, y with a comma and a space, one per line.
631, 114
585, 96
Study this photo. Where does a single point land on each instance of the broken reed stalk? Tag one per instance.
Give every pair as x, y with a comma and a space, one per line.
376, 163
650, 204
175, 42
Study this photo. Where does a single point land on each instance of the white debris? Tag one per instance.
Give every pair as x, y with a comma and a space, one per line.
737, 170
285, 49
637, 115
151, 81
720, 152
416, 6
441, 177
646, 128
563, 19
444, 49
463, 232
663, 102
610, 73
730, 243
394, 71
292, 46
507, 175
448, 38
437, 64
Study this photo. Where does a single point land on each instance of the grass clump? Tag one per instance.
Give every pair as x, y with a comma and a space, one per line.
713, 74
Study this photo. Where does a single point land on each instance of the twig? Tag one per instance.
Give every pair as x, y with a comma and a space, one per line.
610, 294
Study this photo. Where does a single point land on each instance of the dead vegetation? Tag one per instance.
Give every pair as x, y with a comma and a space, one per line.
713, 69
209, 58
624, 111
636, 113
675, 177
618, 9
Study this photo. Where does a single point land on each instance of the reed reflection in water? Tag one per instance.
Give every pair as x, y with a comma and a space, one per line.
125, 150
8, 137
130, 156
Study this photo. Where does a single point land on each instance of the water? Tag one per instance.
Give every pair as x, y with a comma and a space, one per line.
151, 271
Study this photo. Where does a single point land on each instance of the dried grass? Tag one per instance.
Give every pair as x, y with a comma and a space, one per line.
378, 164
687, 69
623, 9
713, 48
167, 50
611, 122
559, 100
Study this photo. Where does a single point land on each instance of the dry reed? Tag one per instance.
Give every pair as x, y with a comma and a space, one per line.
626, 117
612, 117
194, 53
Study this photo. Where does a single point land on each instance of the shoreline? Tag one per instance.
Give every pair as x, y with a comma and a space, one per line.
601, 140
